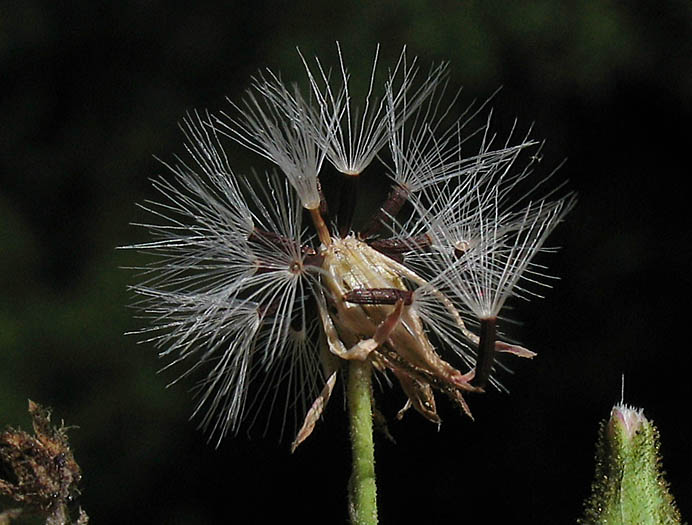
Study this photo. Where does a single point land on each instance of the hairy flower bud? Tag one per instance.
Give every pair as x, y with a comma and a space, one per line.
629, 487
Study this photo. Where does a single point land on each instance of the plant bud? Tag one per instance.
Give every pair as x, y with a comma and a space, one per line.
629, 487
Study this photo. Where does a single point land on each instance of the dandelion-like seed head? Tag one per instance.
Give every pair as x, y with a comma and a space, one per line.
262, 308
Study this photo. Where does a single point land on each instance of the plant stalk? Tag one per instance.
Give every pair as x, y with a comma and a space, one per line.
362, 490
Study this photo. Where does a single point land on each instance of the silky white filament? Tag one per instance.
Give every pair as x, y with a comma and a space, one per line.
360, 133
280, 125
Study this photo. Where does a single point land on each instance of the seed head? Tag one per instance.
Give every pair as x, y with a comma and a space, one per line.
259, 308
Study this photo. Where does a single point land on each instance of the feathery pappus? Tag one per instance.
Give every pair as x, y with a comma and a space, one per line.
262, 290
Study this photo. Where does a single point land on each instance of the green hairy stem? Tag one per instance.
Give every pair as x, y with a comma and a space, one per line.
629, 487
362, 490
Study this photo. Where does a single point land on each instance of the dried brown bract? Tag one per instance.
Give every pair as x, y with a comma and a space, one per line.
39, 471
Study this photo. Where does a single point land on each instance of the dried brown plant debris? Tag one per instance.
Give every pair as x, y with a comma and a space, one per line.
39, 471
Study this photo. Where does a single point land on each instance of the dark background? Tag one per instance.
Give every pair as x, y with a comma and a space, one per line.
90, 91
